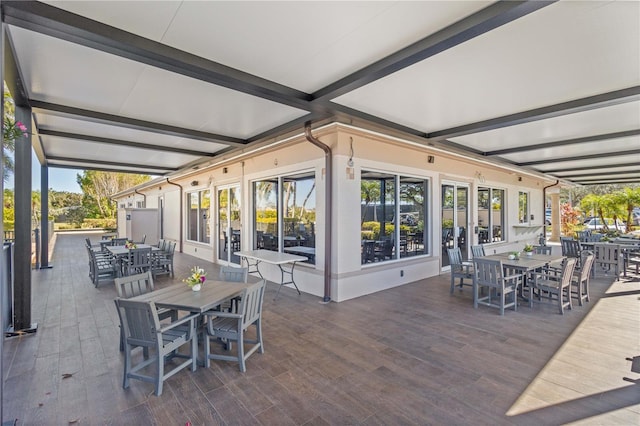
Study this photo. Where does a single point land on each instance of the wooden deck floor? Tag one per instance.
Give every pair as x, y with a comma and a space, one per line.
413, 355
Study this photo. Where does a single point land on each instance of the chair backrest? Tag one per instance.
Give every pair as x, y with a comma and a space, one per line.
542, 249
118, 241
233, 274
134, 285
570, 247
593, 238
568, 265
170, 247
140, 321
477, 251
587, 262
582, 235
162, 244
139, 258
251, 303
455, 258
607, 253
489, 272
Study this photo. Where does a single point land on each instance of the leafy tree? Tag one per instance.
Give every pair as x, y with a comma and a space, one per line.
627, 199
99, 186
369, 192
11, 130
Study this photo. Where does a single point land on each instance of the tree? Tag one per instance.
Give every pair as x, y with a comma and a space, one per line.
98, 187
11, 130
369, 192
627, 199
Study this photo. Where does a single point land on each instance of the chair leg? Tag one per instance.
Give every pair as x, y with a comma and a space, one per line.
453, 284
207, 348
127, 366
159, 374
240, 344
259, 335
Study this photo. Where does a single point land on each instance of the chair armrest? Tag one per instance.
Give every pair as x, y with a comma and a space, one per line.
226, 314
181, 321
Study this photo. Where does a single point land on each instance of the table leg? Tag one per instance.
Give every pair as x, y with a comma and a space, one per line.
282, 282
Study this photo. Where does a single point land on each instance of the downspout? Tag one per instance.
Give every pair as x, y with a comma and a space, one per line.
328, 208
543, 237
144, 197
181, 201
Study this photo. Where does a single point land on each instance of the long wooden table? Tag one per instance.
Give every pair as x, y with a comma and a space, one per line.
274, 258
526, 264
181, 297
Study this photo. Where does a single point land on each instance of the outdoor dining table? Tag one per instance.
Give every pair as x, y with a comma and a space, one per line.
123, 250
181, 297
255, 257
526, 264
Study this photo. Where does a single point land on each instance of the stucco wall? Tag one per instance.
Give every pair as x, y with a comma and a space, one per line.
369, 151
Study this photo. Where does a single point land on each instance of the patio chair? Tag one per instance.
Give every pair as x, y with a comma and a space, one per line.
137, 262
477, 251
142, 327
555, 285
236, 275
501, 283
543, 250
101, 267
135, 285
232, 327
368, 251
581, 276
163, 260
608, 256
571, 248
459, 268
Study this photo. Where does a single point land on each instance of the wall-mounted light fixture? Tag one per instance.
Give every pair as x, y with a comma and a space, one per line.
194, 183
480, 177
350, 162
225, 170
275, 162
431, 159
519, 178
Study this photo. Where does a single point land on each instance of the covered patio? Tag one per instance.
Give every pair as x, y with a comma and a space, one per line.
410, 355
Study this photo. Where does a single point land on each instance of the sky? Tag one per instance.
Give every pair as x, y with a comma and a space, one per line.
59, 179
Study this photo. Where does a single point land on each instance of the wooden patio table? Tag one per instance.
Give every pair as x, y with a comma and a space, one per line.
526, 264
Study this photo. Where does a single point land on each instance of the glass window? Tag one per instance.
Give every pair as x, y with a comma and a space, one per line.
490, 215
198, 226
383, 236
285, 215
523, 207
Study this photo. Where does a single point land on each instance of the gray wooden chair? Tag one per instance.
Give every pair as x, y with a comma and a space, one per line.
477, 251
163, 260
501, 283
142, 327
135, 285
542, 250
138, 261
101, 267
608, 256
236, 275
554, 285
581, 276
460, 269
571, 248
232, 327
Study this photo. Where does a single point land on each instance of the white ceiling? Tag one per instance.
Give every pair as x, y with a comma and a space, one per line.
153, 87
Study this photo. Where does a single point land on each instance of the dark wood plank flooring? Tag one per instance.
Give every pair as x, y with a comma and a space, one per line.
412, 355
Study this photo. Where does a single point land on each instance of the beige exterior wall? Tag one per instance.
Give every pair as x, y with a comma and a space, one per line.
369, 151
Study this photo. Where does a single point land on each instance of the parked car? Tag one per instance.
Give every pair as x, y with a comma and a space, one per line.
547, 216
635, 216
596, 224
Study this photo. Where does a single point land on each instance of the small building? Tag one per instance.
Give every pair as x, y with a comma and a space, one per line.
396, 206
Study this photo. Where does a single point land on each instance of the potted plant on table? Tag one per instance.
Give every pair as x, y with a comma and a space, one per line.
528, 249
196, 279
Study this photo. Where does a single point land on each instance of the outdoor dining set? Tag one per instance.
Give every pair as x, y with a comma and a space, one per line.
167, 324
500, 280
